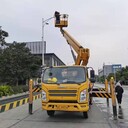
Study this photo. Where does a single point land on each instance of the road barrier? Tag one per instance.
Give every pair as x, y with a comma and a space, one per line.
105, 93
112, 90
36, 88
101, 94
106, 89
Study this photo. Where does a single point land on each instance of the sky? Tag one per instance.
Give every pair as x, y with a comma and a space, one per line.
100, 25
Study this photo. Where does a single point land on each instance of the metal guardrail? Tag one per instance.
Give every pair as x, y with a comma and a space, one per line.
14, 98
13, 102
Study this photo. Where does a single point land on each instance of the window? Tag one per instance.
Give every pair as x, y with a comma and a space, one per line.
64, 75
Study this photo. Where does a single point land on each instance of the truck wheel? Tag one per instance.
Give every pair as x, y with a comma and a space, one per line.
85, 114
51, 113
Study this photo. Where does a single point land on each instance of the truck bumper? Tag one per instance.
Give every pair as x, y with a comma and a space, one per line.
66, 107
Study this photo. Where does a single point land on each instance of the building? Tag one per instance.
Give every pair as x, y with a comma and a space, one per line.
36, 47
50, 59
107, 69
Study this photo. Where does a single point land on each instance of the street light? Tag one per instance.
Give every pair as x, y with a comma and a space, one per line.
44, 22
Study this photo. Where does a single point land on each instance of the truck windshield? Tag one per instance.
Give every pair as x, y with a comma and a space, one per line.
64, 75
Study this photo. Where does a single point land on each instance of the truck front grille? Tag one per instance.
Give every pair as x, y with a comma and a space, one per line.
63, 101
70, 93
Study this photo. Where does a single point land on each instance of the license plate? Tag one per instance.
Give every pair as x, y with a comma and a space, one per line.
62, 107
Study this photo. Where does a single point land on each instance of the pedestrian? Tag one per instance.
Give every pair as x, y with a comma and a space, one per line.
119, 92
57, 16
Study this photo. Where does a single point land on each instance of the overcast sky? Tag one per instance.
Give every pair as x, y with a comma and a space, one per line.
100, 25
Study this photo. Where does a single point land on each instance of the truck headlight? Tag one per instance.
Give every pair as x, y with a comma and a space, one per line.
44, 97
83, 96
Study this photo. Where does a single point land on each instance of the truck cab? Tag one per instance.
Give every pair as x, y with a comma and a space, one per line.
65, 88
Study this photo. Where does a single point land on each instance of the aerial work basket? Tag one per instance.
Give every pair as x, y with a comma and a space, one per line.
61, 20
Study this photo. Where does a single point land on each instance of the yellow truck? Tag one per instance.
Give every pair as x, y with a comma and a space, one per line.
66, 88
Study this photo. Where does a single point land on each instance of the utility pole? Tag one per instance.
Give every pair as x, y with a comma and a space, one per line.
44, 22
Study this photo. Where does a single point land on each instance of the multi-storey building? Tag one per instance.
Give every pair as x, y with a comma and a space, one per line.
107, 69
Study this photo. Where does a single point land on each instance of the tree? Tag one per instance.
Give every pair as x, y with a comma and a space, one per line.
101, 79
124, 75
120, 75
17, 64
3, 34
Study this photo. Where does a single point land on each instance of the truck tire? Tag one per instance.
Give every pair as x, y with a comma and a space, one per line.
51, 113
85, 114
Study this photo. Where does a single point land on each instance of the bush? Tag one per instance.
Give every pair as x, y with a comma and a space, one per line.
25, 88
1, 93
5, 90
17, 89
20, 89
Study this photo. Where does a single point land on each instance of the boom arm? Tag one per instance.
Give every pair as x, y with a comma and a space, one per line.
61, 20
82, 53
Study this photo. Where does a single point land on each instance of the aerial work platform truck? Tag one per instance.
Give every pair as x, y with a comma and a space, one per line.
66, 88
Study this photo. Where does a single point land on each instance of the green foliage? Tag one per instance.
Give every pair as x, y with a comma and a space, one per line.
5, 90
25, 88
3, 34
123, 75
17, 89
101, 79
17, 64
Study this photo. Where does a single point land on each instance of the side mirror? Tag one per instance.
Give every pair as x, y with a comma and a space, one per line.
92, 76
92, 73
